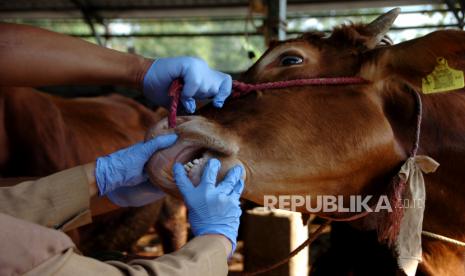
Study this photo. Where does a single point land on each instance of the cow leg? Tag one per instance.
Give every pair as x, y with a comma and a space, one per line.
119, 230
172, 224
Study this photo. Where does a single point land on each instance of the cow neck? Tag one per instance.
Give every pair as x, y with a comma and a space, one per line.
396, 183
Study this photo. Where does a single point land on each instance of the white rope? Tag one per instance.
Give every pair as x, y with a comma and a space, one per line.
443, 238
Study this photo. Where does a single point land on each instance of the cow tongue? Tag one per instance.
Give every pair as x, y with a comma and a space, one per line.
160, 165
195, 168
192, 158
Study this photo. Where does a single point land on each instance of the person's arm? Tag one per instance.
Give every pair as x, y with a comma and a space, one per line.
31, 249
67, 199
32, 57
214, 214
202, 256
52, 201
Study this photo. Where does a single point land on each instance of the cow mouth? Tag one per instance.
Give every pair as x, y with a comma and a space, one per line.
198, 141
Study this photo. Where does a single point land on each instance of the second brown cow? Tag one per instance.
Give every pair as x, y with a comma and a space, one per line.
41, 134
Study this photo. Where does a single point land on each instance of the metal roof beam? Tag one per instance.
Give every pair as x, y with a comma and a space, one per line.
300, 15
458, 13
91, 17
275, 20
88, 18
178, 11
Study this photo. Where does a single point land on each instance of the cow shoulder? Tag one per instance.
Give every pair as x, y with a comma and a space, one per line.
36, 132
104, 124
143, 114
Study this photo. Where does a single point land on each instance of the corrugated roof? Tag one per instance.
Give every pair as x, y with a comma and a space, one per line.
62, 5
125, 5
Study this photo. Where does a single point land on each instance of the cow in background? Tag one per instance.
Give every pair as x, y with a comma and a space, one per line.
41, 134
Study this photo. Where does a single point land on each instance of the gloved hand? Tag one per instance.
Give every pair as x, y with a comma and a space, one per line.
136, 196
125, 168
212, 209
200, 82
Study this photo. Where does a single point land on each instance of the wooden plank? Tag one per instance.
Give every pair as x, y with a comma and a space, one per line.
269, 236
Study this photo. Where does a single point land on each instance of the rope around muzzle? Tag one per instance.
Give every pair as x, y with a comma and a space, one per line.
241, 88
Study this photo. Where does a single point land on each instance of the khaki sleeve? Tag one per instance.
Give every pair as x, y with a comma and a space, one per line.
203, 256
59, 201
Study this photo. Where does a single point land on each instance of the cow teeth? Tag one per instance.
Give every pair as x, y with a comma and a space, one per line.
191, 164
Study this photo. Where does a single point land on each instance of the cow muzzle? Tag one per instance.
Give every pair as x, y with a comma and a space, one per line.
199, 140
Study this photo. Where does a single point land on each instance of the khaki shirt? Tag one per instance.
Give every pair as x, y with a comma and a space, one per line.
61, 201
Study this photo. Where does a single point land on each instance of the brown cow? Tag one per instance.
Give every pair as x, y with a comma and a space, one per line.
342, 140
42, 134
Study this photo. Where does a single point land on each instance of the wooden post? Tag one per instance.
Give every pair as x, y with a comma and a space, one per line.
275, 22
269, 236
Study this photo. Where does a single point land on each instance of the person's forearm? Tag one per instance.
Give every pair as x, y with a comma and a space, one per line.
98, 205
63, 192
31, 56
225, 241
89, 170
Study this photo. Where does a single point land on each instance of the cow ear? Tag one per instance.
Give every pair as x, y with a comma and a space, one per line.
374, 32
411, 61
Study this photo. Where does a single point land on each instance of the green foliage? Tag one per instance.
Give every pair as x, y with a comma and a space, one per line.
227, 53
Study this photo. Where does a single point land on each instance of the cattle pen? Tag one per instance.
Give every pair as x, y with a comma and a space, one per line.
316, 164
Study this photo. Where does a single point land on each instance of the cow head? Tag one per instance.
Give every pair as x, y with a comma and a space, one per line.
315, 140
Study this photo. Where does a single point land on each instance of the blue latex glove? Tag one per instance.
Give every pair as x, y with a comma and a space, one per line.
136, 196
125, 168
212, 209
200, 82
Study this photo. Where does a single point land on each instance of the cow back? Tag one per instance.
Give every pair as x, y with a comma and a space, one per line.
42, 134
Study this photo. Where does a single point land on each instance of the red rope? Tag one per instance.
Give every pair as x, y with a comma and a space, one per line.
240, 89
389, 227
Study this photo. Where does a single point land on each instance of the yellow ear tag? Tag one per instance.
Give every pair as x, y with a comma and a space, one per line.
443, 78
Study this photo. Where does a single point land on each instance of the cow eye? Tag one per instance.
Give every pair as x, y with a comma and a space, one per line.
291, 60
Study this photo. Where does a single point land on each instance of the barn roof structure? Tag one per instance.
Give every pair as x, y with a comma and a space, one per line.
100, 11
177, 8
